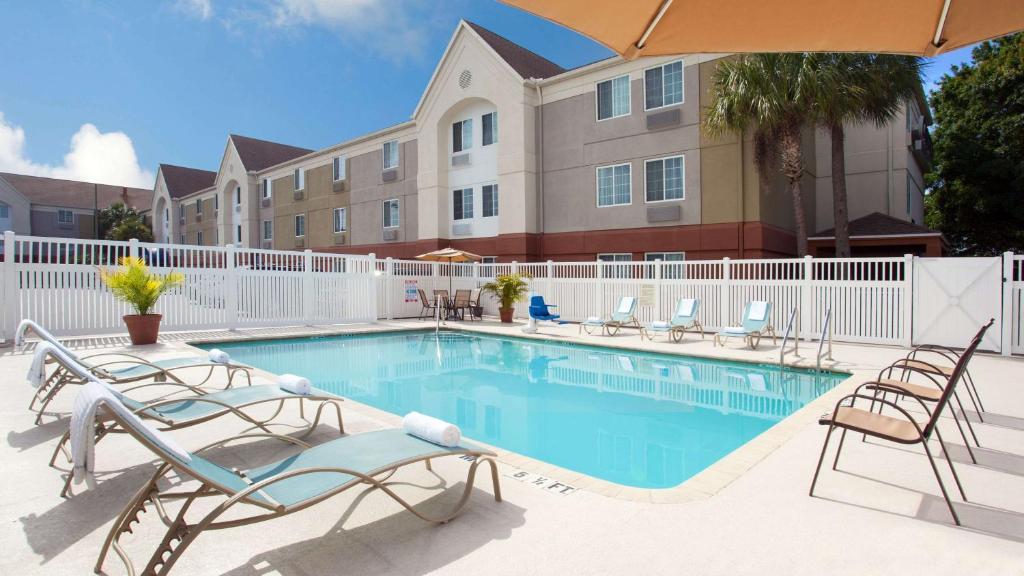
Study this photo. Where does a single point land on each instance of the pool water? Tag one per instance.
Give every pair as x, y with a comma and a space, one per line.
634, 418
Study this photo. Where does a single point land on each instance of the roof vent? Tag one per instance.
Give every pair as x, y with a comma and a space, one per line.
465, 79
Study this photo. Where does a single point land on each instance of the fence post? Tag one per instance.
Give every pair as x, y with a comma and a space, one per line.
599, 287
909, 262
725, 293
133, 247
10, 288
389, 271
230, 287
658, 274
514, 270
806, 312
308, 289
1006, 344
551, 279
373, 310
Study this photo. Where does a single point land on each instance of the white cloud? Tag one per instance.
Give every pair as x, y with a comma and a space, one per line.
94, 156
201, 9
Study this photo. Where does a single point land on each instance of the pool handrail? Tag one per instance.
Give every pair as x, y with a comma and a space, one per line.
794, 314
826, 334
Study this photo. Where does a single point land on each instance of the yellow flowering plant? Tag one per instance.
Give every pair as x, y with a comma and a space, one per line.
135, 284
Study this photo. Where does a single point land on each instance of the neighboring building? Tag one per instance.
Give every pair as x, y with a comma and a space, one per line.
510, 156
173, 183
61, 208
879, 235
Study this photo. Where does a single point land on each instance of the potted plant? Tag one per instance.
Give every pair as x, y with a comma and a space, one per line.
507, 289
133, 283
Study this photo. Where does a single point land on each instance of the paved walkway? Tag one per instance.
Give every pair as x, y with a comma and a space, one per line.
880, 514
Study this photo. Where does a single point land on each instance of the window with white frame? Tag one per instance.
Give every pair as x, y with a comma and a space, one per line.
5, 211
663, 179
390, 150
462, 202
181, 211
216, 202
339, 168
340, 220
462, 135
238, 195
299, 178
199, 206
300, 225
238, 233
267, 190
663, 85
67, 217
613, 98
615, 271
487, 266
268, 229
392, 214
489, 126
672, 266
614, 185
199, 238
490, 199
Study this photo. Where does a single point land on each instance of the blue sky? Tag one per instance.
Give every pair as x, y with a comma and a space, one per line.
106, 90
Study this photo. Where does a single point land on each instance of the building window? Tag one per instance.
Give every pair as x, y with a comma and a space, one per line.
663, 179
268, 229
613, 98
663, 85
167, 215
615, 271
671, 264
199, 238
68, 217
487, 266
299, 178
238, 195
614, 185
216, 236
300, 225
5, 211
216, 202
490, 198
463, 204
199, 206
238, 234
490, 128
339, 168
267, 189
462, 135
340, 220
181, 239
181, 211
391, 213
391, 154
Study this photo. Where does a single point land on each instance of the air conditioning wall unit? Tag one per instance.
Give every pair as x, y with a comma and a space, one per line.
461, 160
267, 244
300, 242
265, 202
199, 217
238, 207
391, 234
298, 194
462, 228
339, 238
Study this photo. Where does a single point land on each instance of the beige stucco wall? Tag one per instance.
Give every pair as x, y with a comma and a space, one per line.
206, 223
319, 199
232, 173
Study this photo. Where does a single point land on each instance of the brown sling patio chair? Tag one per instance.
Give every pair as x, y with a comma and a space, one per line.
429, 308
941, 360
310, 477
461, 304
902, 429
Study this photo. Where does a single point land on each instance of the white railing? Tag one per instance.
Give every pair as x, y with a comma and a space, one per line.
1013, 304
56, 282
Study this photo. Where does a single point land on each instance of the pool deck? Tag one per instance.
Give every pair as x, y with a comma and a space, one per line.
747, 514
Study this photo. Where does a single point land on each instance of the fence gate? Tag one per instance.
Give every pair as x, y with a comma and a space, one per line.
953, 297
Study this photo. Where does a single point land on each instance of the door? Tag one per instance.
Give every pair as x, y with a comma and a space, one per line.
954, 297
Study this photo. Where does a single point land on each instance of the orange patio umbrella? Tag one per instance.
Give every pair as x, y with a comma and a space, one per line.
664, 27
449, 255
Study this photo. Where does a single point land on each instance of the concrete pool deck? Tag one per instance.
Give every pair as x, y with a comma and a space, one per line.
880, 513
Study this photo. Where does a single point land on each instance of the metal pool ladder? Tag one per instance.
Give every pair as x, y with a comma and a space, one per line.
826, 335
793, 324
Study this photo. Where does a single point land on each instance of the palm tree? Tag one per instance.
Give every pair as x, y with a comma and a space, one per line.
772, 94
856, 88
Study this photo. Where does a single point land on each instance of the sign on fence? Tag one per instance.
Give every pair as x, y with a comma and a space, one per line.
412, 291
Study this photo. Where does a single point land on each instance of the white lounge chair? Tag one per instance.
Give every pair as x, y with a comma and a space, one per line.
756, 323
684, 318
624, 315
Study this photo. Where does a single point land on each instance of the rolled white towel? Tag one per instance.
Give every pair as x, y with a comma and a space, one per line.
432, 429
218, 356
660, 325
37, 371
593, 320
734, 330
294, 384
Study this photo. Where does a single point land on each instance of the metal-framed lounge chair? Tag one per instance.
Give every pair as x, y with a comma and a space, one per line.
428, 307
120, 368
176, 413
756, 323
295, 483
901, 429
623, 316
684, 318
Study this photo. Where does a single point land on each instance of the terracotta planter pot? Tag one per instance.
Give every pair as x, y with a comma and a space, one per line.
506, 314
143, 328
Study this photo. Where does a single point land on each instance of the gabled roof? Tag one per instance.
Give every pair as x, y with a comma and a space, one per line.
878, 224
526, 63
259, 154
182, 181
75, 194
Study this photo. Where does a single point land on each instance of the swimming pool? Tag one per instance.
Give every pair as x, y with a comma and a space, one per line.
635, 418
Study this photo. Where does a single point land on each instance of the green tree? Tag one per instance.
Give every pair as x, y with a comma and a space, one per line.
773, 95
120, 222
857, 88
976, 193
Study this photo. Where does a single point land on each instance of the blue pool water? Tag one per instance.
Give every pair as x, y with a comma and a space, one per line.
634, 418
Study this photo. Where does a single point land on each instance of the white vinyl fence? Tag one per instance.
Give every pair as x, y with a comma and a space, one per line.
55, 281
